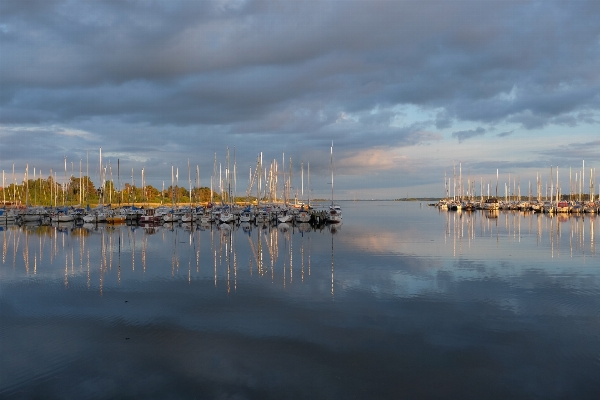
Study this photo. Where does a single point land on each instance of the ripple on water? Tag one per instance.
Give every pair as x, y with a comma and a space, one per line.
38, 350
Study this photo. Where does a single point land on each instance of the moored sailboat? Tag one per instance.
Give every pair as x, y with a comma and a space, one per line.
334, 215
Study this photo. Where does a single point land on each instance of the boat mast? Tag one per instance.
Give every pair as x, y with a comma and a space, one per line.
289, 186
119, 180
51, 184
34, 189
26, 185
14, 186
308, 184
453, 181
460, 182
101, 187
197, 191
557, 191
213, 177
481, 187
582, 180
145, 200
87, 173
259, 185
132, 198
302, 179
228, 178
65, 186
571, 183
331, 165
497, 182
592, 182
234, 175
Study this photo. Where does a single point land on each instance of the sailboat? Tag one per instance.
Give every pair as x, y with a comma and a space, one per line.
170, 216
284, 215
226, 216
304, 215
334, 215
63, 214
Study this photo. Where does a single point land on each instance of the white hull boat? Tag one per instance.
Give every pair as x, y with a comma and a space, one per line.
334, 215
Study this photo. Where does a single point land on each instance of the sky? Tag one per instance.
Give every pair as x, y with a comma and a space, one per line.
408, 92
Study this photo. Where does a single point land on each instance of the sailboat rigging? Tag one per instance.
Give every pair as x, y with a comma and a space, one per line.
334, 215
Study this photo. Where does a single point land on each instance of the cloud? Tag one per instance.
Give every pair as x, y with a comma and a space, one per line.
505, 134
247, 59
464, 135
585, 145
73, 133
191, 78
49, 130
573, 153
443, 120
373, 159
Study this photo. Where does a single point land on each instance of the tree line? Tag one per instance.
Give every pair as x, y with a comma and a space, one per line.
82, 191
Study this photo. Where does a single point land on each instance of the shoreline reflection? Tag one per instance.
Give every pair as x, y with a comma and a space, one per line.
560, 234
268, 251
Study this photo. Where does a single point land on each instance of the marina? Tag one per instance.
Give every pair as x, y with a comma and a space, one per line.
266, 213
63, 201
462, 195
174, 224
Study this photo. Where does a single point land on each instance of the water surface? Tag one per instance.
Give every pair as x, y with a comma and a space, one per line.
400, 301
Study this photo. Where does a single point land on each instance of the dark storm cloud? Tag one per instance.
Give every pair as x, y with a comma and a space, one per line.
243, 60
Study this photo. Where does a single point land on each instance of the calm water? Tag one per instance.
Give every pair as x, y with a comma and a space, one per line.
401, 301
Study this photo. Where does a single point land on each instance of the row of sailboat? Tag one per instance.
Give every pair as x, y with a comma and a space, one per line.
493, 204
554, 200
227, 211
211, 213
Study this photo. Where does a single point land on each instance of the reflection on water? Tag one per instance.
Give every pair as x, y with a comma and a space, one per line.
402, 301
110, 253
559, 234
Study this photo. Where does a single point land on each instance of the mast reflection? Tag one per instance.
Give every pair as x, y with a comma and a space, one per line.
468, 230
333, 230
98, 253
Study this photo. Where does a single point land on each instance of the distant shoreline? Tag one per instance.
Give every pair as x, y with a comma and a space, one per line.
401, 199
